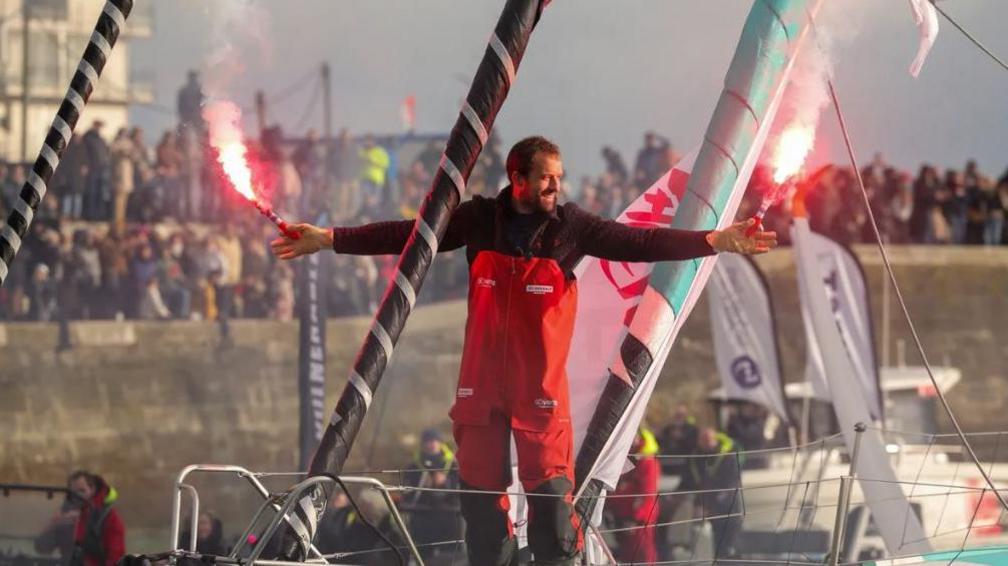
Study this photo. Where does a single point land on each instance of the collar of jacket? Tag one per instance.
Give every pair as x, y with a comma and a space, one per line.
648, 443
104, 495
505, 211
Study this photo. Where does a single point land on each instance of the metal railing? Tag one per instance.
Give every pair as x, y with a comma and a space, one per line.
828, 506
271, 502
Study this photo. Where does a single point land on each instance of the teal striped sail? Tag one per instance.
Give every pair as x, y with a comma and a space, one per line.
774, 32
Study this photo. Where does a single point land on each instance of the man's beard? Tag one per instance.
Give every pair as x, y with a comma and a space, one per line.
545, 201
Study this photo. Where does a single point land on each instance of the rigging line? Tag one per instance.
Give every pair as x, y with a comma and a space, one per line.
406, 488
281, 95
309, 108
902, 303
970, 36
367, 521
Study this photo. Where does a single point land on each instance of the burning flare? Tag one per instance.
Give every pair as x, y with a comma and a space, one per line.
224, 125
224, 121
793, 146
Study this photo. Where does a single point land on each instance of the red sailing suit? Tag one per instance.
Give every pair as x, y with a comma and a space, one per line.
635, 505
513, 381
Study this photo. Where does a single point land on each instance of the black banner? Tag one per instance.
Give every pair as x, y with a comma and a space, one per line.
312, 312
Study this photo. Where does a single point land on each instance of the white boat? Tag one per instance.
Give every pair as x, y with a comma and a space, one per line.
788, 501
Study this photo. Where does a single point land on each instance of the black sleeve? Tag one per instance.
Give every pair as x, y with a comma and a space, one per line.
389, 238
608, 239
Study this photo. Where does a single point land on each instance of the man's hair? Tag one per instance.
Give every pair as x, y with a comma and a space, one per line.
519, 159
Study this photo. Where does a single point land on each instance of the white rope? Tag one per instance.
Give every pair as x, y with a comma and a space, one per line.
405, 488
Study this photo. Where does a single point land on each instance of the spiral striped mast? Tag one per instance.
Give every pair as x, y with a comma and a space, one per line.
490, 87
110, 24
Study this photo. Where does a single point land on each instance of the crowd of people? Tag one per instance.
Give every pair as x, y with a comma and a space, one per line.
958, 207
126, 232
130, 232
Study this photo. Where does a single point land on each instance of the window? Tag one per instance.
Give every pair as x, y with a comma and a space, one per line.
43, 59
48, 9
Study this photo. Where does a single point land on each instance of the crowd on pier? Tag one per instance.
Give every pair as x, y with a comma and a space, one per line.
154, 233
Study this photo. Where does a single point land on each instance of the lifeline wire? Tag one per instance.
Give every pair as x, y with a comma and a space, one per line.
364, 519
970, 36
902, 303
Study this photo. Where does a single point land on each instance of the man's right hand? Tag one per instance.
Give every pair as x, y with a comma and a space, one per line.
311, 240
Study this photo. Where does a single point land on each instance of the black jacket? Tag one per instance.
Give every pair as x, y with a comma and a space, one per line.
566, 235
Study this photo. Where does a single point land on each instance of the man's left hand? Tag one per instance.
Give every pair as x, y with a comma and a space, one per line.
734, 239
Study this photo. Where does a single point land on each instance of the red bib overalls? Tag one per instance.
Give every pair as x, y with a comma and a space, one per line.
513, 381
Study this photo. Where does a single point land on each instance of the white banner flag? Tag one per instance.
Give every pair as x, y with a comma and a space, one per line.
745, 338
841, 276
608, 295
897, 523
926, 18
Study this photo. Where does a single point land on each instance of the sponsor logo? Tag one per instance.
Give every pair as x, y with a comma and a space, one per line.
539, 289
485, 282
465, 392
546, 403
746, 372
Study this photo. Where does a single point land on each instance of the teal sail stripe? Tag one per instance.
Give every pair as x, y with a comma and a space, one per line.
772, 35
769, 38
991, 556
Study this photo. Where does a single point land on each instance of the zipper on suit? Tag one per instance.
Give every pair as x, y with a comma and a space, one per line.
506, 386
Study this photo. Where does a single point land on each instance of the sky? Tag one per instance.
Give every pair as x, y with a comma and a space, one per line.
596, 72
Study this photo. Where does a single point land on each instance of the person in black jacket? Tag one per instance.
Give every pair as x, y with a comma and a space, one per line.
716, 472
432, 515
209, 536
345, 533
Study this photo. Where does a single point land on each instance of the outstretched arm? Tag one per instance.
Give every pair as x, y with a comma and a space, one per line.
377, 238
608, 239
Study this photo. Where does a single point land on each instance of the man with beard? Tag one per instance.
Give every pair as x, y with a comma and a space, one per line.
522, 249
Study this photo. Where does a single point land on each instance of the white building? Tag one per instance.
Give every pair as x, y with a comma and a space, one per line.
59, 30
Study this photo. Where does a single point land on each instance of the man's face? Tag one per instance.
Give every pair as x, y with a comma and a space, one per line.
539, 191
82, 489
708, 441
432, 446
339, 500
679, 416
204, 528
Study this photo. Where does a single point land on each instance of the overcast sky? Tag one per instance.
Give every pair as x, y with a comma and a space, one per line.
596, 72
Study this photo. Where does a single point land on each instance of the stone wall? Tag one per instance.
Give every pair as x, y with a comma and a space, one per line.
139, 401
